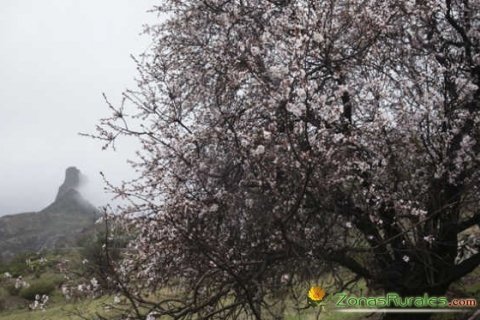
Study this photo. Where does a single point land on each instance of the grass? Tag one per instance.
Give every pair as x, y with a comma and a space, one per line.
326, 315
89, 309
62, 311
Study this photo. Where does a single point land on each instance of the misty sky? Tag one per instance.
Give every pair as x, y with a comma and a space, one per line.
56, 59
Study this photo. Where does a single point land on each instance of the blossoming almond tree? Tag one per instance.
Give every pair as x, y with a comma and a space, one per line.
282, 138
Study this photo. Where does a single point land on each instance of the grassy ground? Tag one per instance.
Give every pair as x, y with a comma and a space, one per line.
312, 315
60, 311
72, 311
89, 309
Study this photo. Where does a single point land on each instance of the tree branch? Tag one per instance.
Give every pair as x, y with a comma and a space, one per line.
465, 267
469, 223
350, 263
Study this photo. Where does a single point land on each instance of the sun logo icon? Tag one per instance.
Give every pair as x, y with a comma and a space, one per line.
315, 296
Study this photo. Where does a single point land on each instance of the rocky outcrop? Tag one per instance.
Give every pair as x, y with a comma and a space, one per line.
58, 225
73, 179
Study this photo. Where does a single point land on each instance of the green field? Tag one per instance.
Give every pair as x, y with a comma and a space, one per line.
89, 309
14, 302
74, 311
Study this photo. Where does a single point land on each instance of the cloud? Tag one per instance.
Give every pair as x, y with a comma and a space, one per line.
57, 58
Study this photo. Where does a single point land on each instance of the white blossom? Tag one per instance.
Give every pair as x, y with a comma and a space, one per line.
259, 150
299, 120
296, 108
430, 238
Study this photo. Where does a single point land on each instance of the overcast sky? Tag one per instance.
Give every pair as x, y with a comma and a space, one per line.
56, 59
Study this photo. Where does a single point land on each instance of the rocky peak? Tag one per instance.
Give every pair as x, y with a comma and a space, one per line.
72, 181
58, 225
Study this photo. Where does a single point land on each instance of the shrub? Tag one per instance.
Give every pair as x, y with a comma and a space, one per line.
3, 299
41, 286
10, 287
96, 263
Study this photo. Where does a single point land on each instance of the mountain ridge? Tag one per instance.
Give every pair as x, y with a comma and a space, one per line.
58, 225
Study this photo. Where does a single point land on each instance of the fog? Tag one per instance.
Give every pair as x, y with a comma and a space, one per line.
56, 59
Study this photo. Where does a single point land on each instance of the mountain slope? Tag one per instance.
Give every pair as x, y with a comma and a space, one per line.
58, 225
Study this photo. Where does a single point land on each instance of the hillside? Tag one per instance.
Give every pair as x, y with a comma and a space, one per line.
58, 225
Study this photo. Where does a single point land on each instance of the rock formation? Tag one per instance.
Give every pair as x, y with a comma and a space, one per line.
72, 180
58, 225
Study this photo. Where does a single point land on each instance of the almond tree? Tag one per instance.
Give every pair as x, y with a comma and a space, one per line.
282, 139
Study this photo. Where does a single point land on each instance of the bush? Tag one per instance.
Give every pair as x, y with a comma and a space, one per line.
3, 299
18, 265
97, 265
41, 286
10, 287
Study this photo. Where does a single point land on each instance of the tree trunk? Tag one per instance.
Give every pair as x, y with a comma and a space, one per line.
411, 283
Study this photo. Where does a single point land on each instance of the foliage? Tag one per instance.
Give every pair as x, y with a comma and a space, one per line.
3, 299
60, 311
96, 263
282, 139
11, 289
17, 266
37, 287
40, 275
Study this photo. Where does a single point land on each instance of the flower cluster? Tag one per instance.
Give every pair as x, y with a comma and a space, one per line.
280, 137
